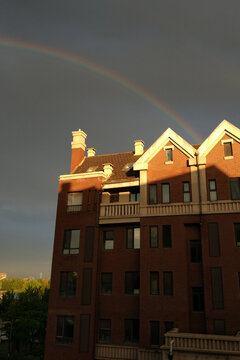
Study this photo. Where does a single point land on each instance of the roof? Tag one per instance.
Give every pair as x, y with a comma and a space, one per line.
121, 162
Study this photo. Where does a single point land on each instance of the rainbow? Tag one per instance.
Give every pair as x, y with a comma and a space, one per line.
100, 70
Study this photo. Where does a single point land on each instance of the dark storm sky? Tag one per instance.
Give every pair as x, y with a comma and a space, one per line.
185, 53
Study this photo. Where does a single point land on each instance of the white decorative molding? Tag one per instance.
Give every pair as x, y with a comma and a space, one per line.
79, 138
121, 185
82, 176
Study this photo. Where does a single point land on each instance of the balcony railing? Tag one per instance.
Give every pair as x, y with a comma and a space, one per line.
202, 343
112, 352
133, 210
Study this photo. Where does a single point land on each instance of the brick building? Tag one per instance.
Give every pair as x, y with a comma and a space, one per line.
146, 241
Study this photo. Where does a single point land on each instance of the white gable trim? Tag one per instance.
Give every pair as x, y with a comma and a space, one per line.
224, 128
168, 136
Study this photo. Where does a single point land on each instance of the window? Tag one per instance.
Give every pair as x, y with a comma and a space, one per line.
168, 325
227, 149
237, 234
235, 188
132, 282
153, 236
131, 330
74, 201
71, 242
84, 333
108, 240
212, 190
217, 288
106, 283
219, 326
213, 239
153, 194
169, 155
165, 193
186, 191
197, 298
195, 251
68, 284
154, 283
166, 236
134, 196
87, 287
114, 197
133, 238
154, 333
105, 330
167, 283
65, 327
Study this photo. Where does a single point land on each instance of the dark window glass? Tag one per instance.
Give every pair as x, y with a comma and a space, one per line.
219, 326
169, 155
114, 197
153, 194
197, 299
235, 188
167, 283
108, 240
186, 191
132, 282
74, 201
71, 242
213, 239
217, 288
153, 236
106, 283
168, 325
166, 236
154, 333
135, 196
133, 238
105, 330
87, 287
65, 327
89, 242
196, 251
154, 283
212, 190
237, 234
131, 330
239, 280
165, 193
68, 283
228, 149
84, 333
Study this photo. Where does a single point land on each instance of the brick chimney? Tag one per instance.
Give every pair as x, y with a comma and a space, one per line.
139, 147
78, 148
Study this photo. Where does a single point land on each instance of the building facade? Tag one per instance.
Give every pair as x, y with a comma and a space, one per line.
145, 242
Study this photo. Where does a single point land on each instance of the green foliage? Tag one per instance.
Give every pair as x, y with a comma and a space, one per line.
20, 285
25, 316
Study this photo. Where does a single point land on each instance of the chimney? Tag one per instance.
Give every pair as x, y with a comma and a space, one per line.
139, 147
91, 152
78, 148
108, 169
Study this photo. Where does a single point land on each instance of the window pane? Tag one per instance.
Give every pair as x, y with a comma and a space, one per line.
154, 283
74, 201
105, 330
165, 193
65, 326
166, 236
197, 299
108, 240
235, 188
75, 235
71, 241
153, 194
68, 284
132, 282
237, 233
153, 236
154, 333
228, 149
168, 325
196, 251
169, 156
131, 330
212, 190
213, 239
136, 238
168, 283
106, 283
129, 238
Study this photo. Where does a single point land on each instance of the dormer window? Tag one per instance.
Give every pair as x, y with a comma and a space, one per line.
227, 144
169, 154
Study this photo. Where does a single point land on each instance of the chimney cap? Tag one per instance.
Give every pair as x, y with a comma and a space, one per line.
91, 152
139, 147
79, 138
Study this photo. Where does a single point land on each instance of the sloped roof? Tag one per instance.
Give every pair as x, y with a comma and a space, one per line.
119, 162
